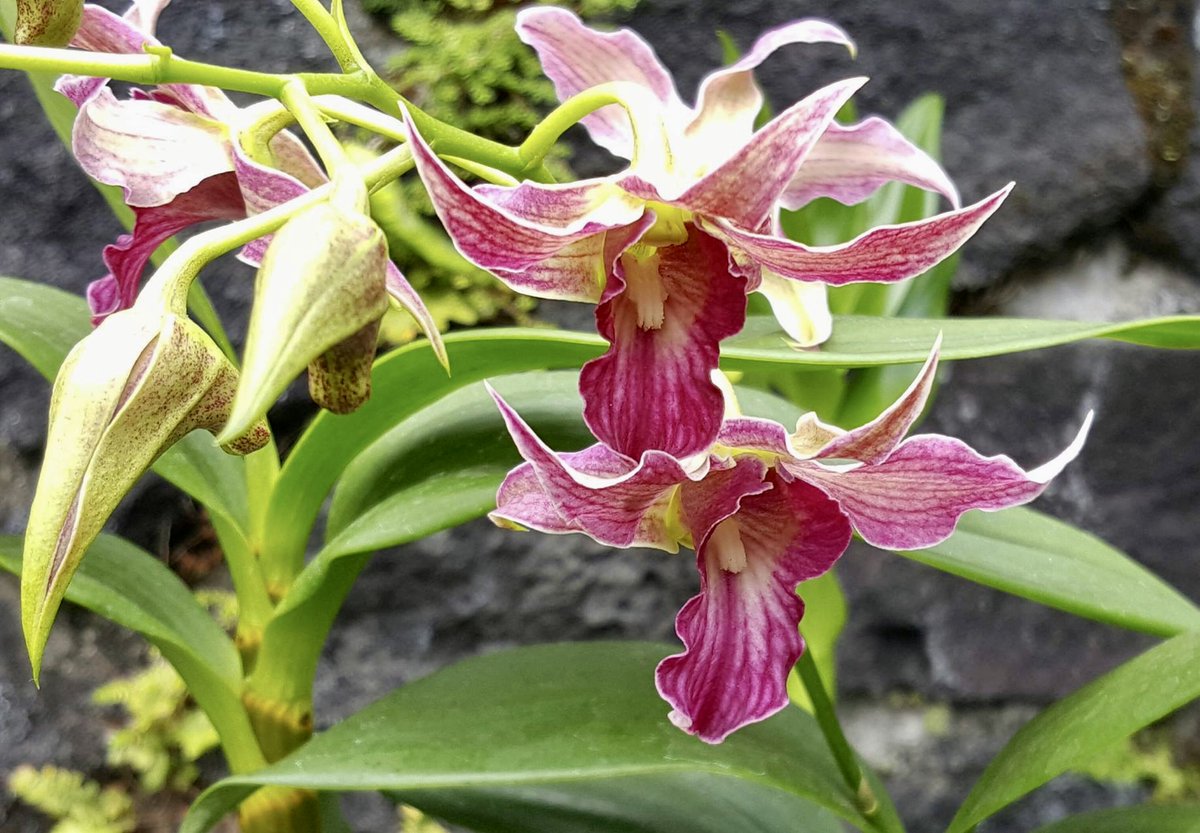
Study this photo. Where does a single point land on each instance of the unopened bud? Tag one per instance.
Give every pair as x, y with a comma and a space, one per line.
47, 22
320, 287
125, 394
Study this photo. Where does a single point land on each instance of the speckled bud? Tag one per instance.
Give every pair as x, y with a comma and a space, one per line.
125, 394
320, 287
47, 22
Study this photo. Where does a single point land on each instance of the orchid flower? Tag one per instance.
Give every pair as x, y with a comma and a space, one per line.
764, 509
183, 154
669, 247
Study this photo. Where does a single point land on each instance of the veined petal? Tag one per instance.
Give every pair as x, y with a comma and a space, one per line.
729, 99
873, 442
621, 510
850, 163
745, 187
915, 497
664, 316
101, 31
740, 633
153, 151
262, 189
144, 14
215, 198
515, 248
403, 294
800, 307
575, 58
883, 254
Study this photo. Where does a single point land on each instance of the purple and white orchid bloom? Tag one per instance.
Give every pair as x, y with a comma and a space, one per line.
180, 154
764, 509
669, 247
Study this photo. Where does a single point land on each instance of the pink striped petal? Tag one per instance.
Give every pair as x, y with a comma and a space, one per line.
216, 198
522, 503
744, 189
740, 633
404, 294
262, 189
518, 250
153, 151
575, 58
851, 163
622, 510
653, 388
882, 254
729, 99
873, 442
101, 31
915, 497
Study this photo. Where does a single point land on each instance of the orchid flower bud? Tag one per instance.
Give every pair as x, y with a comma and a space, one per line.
47, 22
125, 394
320, 293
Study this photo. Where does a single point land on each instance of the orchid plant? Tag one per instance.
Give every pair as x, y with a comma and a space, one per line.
668, 250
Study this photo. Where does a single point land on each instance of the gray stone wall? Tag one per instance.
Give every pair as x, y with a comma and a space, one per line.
1088, 106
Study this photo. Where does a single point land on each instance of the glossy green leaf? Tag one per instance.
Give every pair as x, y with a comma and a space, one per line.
1147, 818
681, 803
134, 589
42, 324
533, 716
1028, 554
1085, 724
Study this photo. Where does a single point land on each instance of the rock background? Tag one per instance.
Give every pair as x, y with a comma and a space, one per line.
1089, 106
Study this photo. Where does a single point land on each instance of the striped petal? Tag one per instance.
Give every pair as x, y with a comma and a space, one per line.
915, 497
620, 505
216, 198
729, 99
562, 259
850, 163
744, 188
740, 633
883, 254
575, 58
153, 151
664, 316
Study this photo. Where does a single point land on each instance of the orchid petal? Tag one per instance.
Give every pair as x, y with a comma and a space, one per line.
851, 163
914, 498
653, 388
729, 99
800, 307
517, 249
215, 198
403, 294
144, 14
628, 509
873, 442
740, 633
153, 151
576, 58
262, 189
745, 187
100, 31
883, 254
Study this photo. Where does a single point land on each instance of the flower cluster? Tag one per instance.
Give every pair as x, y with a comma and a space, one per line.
668, 250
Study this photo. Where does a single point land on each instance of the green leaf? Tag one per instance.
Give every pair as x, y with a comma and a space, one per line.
679, 803
1148, 818
1085, 724
1028, 554
865, 341
824, 619
129, 586
533, 716
43, 323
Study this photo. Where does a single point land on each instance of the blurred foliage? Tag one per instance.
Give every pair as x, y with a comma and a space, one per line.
1148, 758
77, 804
162, 736
462, 62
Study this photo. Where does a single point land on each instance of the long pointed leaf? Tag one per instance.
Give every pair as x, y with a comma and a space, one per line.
1147, 818
1088, 722
532, 716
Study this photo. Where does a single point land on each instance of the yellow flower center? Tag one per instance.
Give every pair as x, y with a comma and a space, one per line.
644, 286
726, 543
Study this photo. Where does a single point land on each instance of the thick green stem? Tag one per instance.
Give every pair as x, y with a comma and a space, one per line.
826, 717
301, 105
323, 22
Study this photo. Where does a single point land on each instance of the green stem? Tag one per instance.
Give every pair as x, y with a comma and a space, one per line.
301, 105
323, 22
823, 711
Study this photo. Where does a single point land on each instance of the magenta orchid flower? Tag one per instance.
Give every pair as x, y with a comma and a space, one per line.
180, 154
669, 248
764, 509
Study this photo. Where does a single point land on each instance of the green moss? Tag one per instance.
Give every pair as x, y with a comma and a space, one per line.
1147, 758
78, 804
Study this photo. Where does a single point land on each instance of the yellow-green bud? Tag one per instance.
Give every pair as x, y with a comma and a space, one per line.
47, 22
125, 394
